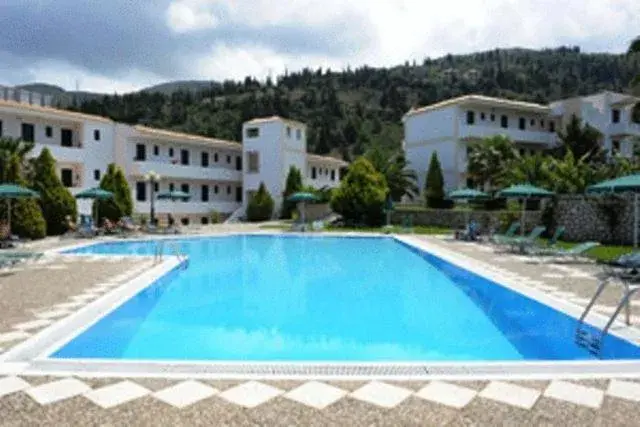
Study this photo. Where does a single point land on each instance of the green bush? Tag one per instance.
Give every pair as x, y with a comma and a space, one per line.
293, 185
260, 207
55, 200
215, 217
121, 204
360, 198
434, 184
27, 220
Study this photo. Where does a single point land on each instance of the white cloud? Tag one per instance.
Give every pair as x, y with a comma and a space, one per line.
189, 15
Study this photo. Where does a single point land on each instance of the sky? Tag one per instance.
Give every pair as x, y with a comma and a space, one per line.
126, 45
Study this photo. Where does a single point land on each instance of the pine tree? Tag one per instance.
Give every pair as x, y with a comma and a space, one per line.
293, 185
55, 200
434, 184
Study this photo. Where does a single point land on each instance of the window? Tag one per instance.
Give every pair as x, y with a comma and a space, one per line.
141, 191
288, 132
313, 173
66, 138
615, 146
66, 176
253, 132
542, 123
156, 186
228, 189
522, 123
27, 132
204, 220
205, 193
215, 189
239, 194
204, 159
184, 188
171, 186
228, 159
253, 161
333, 175
96, 174
615, 115
298, 134
184, 221
504, 121
493, 117
96, 134
184, 157
471, 117
48, 131
532, 122
522, 152
0, 127
238, 163
171, 152
141, 152
552, 126
156, 150
215, 157
482, 116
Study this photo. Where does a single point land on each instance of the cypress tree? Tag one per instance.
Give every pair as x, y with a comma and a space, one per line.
434, 184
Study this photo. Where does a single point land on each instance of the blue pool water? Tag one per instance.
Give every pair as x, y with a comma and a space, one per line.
294, 298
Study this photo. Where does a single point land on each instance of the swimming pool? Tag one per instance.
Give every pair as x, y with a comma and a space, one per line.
287, 298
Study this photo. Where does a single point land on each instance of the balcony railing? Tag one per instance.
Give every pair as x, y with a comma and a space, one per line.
517, 135
177, 170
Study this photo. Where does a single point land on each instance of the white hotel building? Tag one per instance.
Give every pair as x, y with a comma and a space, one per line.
449, 126
219, 175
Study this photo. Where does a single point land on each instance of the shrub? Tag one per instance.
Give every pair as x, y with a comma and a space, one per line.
260, 207
293, 185
215, 217
434, 184
121, 204
360, 198
55, 200
27, 220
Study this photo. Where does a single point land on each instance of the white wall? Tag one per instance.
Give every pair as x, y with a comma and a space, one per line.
430, 125
419, 158
271, 159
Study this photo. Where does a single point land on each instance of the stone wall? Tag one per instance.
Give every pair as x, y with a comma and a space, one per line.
452, 218
316, 211
601, 219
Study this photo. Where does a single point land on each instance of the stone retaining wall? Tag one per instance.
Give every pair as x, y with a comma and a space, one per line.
450, 218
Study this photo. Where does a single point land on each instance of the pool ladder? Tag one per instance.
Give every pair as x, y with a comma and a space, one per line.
594, 343
160, 248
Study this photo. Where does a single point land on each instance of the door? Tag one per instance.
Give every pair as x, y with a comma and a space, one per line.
238, 194
66, 176
238, 163
184, 157
66, 137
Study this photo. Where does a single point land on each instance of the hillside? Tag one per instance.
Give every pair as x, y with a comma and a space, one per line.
186, 85
349, 110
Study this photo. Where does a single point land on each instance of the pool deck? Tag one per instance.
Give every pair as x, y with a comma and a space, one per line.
36, 295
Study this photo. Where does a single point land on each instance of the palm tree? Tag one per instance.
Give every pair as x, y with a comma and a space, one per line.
487, 159
570, 175
13, 158
393, 165
532, 169
581, 141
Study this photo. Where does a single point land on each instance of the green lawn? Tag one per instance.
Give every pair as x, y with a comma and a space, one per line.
600, 253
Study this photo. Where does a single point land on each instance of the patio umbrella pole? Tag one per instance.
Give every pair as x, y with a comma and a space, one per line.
635, 220
524, 210
9, 216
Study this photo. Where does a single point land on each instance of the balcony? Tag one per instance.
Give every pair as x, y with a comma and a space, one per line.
191, 207
170, 170
60, 153
516, 135
624, 129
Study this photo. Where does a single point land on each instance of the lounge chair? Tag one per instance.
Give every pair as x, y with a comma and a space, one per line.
471, 233
574, 253
11, 258
508, 235
317, 225
522, 243
549, 245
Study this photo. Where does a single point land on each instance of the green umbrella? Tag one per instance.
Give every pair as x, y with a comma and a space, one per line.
95, 194
466, 194
524, 191
621, 185
173, 195
12, 191
303, 197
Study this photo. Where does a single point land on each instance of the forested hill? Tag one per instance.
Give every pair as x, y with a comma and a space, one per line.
348, 110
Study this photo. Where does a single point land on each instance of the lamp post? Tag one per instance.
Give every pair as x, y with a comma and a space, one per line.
153, 178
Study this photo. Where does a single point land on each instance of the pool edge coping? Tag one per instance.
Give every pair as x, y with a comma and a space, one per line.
41, 364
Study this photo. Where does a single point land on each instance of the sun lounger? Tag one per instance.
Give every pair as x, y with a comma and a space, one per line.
521, 243
574, 253
550, 244
509, 234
